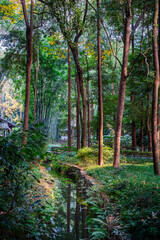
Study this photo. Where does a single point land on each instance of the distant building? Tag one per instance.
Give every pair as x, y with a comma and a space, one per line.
5, 127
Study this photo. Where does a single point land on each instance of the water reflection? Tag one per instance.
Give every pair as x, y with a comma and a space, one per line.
70, 218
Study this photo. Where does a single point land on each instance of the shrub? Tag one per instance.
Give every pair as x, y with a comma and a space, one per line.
20, 215
126, 141
90, 155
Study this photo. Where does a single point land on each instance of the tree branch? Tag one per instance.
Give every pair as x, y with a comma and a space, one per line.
84, 19
25, 12
135, 60
110, 43
106, 34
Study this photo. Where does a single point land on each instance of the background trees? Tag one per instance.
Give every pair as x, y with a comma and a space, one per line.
126, 54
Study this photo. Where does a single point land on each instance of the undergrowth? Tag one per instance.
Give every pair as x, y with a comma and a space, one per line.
25, 205
134, 195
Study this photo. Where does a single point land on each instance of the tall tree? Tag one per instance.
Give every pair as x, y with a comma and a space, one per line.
155, 92
100, 98
122, 87
36, 79
69, 98
78, 112
29, 45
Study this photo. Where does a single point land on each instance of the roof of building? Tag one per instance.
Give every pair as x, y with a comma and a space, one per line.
11, 125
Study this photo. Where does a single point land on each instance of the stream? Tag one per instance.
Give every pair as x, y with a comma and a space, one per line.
70, 217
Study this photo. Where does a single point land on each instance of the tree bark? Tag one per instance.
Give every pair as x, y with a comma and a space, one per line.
88, 103
155, 143
100, 98
142, 134
74, 50
122, 87
69, 98
78, 112
149, 135
29, 45
134, 140
35, 90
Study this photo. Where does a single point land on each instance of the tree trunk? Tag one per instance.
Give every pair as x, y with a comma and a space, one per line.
122, 87
83, 94
29, 45
142, 134
155, 92
100, 98
134, 141
69, 98
149, 135
35, 90
78, 113
87, 90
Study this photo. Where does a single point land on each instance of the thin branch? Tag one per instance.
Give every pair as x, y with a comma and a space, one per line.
135, 60
142, 31
84, 19
106, 34
110, 43
25, 12
136, 25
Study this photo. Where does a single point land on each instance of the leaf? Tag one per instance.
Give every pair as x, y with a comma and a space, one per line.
36, 202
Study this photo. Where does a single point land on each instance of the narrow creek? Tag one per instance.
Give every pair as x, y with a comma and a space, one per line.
70, 216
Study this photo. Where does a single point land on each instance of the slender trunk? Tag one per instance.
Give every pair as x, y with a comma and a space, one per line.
149, 134
122, 88
35, 90
134, 141
1, 112
29, 43
142, 134
87, 90
100, 98
68, 210
83, 94
155, 92
78, 113
69, 98
112, 87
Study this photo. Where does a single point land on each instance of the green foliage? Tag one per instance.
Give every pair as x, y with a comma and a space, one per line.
134, 193
126, 141
88, 156
96, 219
24, 211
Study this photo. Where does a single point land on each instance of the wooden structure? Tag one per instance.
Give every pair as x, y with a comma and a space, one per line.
5, 127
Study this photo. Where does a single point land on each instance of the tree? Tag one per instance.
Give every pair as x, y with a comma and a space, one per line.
29, 43
100, 99
155, 92
69, 98
72, 31
122, 87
